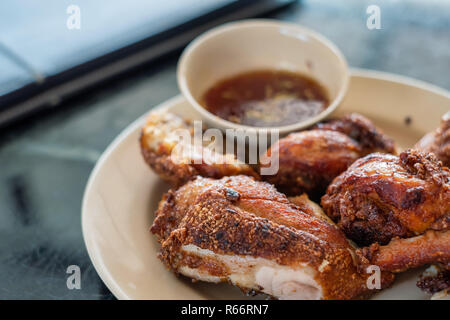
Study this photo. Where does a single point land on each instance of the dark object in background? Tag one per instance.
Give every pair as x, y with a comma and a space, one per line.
44, 62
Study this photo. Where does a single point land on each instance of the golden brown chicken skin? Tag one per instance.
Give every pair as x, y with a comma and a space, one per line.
402, 254
382, 196
243, 231
310, 160
399, 206
438, 142
158, 142
363, 131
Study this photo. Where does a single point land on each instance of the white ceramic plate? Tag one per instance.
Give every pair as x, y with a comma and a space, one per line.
122, 192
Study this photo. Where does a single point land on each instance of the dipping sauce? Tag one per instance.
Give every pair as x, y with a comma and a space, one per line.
266, 98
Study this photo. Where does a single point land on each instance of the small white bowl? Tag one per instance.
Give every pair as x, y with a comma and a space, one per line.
238, 47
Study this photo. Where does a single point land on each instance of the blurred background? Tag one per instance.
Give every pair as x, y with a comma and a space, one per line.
75, 73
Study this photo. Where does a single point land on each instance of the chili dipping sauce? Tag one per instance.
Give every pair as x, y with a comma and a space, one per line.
266, 98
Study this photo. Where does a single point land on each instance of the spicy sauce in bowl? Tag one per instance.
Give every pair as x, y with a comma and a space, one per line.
266, 98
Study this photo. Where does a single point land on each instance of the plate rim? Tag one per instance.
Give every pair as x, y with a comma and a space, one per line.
102, 272
100, 268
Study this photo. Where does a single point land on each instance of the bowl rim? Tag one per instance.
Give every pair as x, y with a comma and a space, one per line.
257, 23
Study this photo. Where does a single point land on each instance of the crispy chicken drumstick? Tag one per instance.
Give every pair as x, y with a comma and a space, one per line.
243, 231
400, 205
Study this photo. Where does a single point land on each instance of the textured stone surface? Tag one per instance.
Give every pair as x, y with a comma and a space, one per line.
45, 161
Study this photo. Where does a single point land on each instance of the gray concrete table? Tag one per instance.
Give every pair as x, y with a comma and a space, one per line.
45, 162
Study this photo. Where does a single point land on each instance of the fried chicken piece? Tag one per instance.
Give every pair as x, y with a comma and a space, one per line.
400, 206
243, 231
438, 142
435, 280
382, 196
177, 162
362, 130
310, 160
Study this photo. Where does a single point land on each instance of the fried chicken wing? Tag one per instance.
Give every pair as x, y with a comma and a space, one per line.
243, 231
310, 160
159, 142
438, 142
